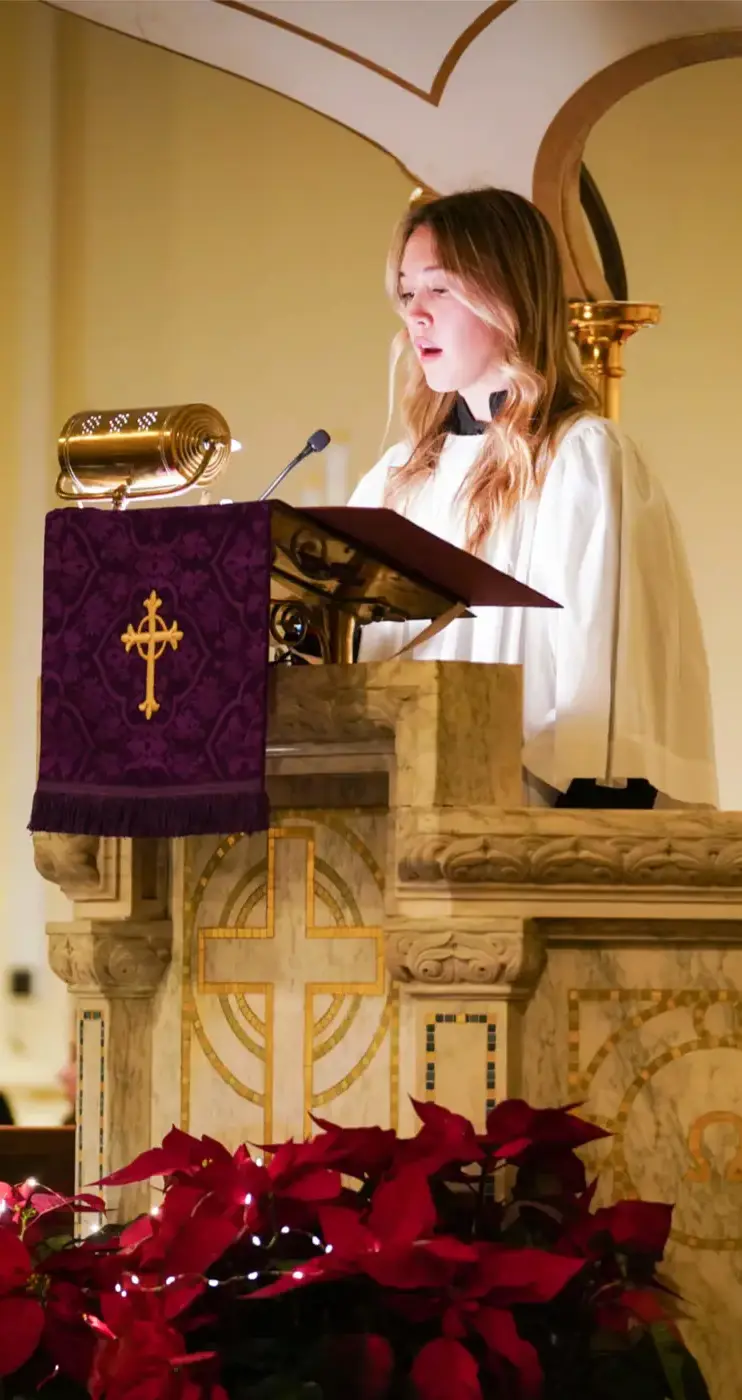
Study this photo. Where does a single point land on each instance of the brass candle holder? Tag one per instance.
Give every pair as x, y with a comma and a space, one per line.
600, 330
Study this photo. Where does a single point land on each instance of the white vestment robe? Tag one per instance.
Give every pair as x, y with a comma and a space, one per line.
616, 681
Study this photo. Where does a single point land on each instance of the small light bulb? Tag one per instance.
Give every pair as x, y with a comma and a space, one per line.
316, 1242
123, 1292
117, 1288
155, 1210
213, 1283
135, 1279
31, 1181
328, 1249
258, 1161
171, 1279
252, 1277
297, 1274
248, 1199
257, 1241
284, 1229
236, 445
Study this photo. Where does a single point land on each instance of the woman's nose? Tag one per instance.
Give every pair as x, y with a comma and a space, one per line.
418, 312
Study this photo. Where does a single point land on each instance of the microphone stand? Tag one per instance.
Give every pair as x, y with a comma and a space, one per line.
316, 443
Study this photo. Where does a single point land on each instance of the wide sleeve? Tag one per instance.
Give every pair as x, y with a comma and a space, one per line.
628, 679
371, 487
570, 653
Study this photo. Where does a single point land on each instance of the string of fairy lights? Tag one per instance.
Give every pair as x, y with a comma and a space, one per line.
194, 1277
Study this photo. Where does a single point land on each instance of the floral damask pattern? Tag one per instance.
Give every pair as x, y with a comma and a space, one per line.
198, 762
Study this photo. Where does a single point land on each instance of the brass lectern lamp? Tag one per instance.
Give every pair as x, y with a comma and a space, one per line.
141, 453
332, 568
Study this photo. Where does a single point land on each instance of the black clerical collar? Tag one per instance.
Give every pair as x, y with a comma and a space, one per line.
462, 421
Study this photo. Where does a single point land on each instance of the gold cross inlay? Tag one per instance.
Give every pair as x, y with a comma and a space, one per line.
150, 645
290, 959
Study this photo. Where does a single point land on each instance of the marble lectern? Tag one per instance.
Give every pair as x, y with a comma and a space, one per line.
408, 928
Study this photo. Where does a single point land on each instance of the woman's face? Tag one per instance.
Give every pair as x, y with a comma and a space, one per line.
457, 350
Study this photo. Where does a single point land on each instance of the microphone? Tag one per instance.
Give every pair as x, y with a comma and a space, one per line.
316, 443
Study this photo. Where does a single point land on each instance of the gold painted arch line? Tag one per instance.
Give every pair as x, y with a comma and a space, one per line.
431, 95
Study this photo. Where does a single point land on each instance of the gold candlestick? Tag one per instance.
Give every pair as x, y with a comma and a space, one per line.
600, 330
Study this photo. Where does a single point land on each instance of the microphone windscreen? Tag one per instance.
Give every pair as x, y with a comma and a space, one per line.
319, 440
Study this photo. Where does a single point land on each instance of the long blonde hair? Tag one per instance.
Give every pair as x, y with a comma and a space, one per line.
505, 259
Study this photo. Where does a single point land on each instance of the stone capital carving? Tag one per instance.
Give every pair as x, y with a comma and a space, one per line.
68, 861
118, 960
558, 849
107, 877
506, 954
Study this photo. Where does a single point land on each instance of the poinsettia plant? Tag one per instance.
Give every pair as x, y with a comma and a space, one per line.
358, 1265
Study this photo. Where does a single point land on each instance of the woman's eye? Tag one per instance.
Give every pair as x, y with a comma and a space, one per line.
404, 297
439, 291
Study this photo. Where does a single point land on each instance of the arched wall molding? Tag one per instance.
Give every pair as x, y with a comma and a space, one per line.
434, 93
556, 177
401, 117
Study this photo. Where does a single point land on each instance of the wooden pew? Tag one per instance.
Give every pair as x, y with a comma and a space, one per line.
48, 1154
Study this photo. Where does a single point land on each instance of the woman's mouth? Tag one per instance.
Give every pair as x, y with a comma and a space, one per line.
428, 352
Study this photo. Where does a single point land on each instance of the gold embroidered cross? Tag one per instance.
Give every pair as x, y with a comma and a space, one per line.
150, 645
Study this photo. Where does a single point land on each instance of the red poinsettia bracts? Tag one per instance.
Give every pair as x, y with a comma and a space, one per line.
188, 1234
393, 1237
470, 1287
628, 1227
481, 1306
514, 1128
542, 1143
429, 1278
180, 1155
294, 1182
41, 1303
40, 1212
476, 1305
364, 1153
446, 1139
21, 1314
258, 1196
141, 1356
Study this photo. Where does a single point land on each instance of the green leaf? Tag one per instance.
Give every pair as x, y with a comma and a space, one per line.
53, 1245
683, 1374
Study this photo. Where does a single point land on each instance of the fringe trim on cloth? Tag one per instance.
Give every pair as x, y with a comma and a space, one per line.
203, 815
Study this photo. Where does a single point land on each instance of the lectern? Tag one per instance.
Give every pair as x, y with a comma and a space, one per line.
159, 627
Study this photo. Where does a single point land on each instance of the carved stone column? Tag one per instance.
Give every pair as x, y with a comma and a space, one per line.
465, 979
112, 954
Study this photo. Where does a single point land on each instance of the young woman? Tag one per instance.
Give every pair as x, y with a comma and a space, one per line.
505, 454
